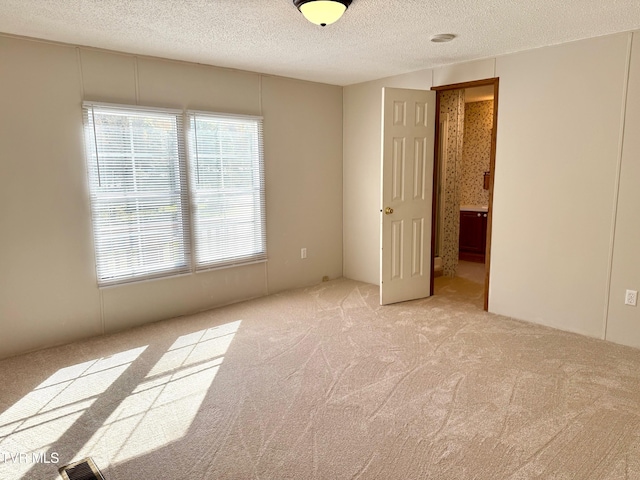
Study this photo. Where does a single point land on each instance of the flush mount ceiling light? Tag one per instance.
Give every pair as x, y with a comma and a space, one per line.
443, 37
322, 12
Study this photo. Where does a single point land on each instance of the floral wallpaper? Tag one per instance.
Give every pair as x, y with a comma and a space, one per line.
476, 152
452, 117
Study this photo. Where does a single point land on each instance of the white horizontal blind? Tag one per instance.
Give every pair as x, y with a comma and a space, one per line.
137, 178
227, 192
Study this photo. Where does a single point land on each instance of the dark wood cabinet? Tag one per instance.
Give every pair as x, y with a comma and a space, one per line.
473, 236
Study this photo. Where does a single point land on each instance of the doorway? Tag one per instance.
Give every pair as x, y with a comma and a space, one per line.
463, 189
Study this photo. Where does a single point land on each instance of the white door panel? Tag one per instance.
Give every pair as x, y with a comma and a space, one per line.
407, 183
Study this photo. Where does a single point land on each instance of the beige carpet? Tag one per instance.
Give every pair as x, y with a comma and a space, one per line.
466, 287
471, 271
324, 383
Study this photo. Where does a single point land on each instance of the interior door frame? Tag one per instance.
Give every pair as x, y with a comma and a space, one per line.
492, 165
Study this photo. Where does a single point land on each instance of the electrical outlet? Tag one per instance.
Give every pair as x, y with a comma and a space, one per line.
303, 253
631, 298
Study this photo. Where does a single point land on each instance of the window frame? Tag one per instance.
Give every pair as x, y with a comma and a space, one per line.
185, 169
260, 257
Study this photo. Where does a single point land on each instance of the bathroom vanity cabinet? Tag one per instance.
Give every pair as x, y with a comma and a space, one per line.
473, 235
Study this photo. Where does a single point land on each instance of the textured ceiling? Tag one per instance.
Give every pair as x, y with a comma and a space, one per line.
374, 39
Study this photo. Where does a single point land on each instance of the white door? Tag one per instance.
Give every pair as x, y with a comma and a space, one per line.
408, 132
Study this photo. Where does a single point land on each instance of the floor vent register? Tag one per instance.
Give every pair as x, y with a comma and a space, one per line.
83, 470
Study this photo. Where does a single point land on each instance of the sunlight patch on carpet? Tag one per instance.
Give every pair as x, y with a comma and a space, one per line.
43, 416
161, 409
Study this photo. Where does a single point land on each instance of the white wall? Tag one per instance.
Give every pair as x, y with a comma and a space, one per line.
303, 136
624, 321
362, 153
48, 292
559, 129
559, 121
465, 72
47, 274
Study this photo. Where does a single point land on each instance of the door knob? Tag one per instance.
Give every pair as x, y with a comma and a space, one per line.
479, 214
388, 211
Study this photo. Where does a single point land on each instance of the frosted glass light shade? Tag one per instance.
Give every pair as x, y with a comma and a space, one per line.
323, 12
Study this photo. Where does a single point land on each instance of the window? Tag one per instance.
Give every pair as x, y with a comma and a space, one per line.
227, 181
138, 192
140, 203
